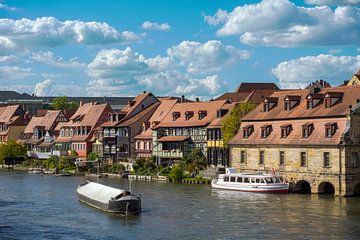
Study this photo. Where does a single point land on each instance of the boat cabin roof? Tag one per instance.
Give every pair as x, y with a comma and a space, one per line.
99, 192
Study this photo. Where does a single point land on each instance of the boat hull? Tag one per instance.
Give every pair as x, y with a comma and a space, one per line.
256, 189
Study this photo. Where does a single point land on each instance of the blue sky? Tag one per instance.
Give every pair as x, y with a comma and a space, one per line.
196, 48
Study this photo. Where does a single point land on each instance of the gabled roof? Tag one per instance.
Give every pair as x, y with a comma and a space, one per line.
88, 114
142, 116
255, 96
46, 121
13, 115
129, 108
210, 107
217, 122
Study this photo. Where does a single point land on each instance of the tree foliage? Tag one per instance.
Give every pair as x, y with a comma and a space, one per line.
176, 173
63, 103
231, 123
195, 160
12, 149
92, 156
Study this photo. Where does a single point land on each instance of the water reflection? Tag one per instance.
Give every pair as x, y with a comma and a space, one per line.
45, 207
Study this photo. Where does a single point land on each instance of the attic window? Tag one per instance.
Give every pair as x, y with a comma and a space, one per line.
269, 103
313, 100
132, 103
285, 130
221, 112
330, 129
265, 131
290, 102
176, 115
202, 114
188, 115
248, 130
332, 98
307, 129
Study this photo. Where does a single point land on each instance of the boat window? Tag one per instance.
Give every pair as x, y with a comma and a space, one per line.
257, 180
226, 179
239, 179
276, 180
252, 180
269, 180
232, 179
281, 179
262, 180
246, 180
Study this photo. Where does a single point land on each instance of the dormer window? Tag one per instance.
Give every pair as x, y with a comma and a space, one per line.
290, 102
248, 130
202, 114
313, 100
131, 103
285, 130
188, 115
269, 103
176, 115
307, 129
221, 112
330, 129
332, 98
265, 131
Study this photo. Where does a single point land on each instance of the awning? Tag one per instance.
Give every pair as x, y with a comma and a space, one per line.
173, 138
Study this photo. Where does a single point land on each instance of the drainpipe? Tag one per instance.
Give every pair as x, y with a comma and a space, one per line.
340, 168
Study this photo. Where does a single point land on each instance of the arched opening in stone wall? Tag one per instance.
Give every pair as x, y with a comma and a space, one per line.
303, 187
326, 188
357, 190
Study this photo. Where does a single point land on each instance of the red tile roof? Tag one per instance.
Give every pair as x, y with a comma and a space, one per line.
47, 121
173, 138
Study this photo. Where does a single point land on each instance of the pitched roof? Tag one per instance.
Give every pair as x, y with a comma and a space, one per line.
141, 116
217, 122
210, 107
350, 96
13, 115
46, 121
317, 137
88, 114
250, 86
132, 105
255, 96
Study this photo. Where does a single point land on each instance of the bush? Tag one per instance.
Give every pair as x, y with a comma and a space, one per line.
176, 173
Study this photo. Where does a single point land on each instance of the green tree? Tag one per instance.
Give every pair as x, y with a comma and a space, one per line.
231, 123
92, 156
176, 173
196, 159
63, 103
12, 149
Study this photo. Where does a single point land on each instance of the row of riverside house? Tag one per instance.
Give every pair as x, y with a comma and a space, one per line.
310, 136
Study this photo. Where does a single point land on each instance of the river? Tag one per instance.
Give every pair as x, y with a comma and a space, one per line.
46, 207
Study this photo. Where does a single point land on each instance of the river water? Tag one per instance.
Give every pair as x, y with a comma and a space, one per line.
46, 207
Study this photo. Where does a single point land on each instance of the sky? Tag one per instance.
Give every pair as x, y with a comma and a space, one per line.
195, 48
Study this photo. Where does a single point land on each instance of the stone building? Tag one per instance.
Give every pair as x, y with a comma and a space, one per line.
311, 137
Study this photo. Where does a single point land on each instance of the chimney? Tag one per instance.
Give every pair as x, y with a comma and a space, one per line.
182, 98
80, 103
144, 92
197, 99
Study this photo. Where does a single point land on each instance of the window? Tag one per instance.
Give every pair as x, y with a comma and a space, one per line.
226, 179
106, 132
112, 132
355, 159
285, 130
248, 130
176, 115
330, 129
266, 107
188, 115
145, 145
327, 102
113, 149
327, 159
282, 158
246, 180
242, 157
303, 161
62, 132
265, 131
138, 145
106, 149
309, 104
261, 157
239, 179
307, 129
202, 114
232, 179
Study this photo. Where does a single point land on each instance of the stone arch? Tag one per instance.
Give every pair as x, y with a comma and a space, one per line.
326, 188
303, 186
357, 189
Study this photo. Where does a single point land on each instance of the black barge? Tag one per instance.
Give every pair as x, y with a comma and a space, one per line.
109, 199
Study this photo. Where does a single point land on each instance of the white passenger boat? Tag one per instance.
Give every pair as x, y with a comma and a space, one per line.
247, 182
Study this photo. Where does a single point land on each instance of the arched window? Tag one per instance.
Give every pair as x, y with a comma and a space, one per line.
106, 132
106, 149
62, 132
66, 132
113, 149
112, 132
71, 132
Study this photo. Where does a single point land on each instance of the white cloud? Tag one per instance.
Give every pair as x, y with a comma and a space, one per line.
6, 7
49, 58
155, 26
49, 31
298, 73
205, 58
44, 88
8, 58
333, 2
187, 68
281, 23
14, 72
